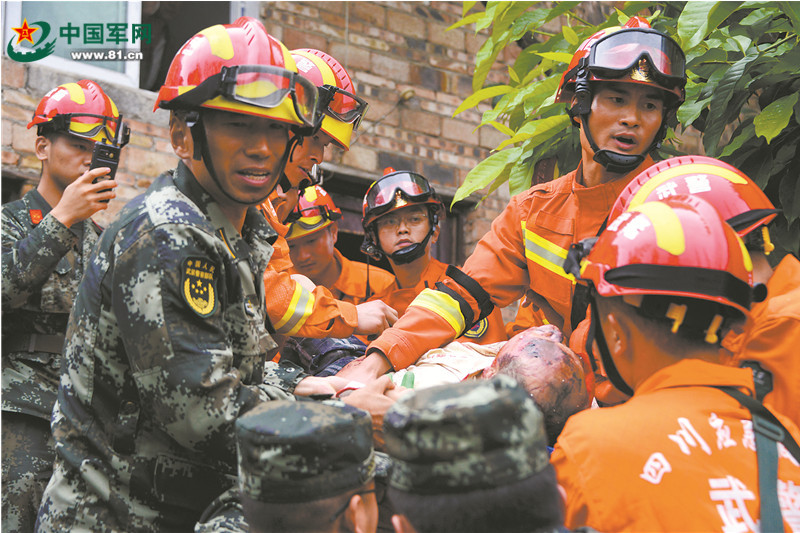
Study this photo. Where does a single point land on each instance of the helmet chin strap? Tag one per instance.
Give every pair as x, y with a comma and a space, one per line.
596, 335
413, 252
202, 153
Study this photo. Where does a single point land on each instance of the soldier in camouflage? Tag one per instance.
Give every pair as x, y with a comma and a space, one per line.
48, 235
303, 466
167, 341
471, 457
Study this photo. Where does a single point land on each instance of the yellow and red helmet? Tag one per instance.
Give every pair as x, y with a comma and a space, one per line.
736, 197
78, 108
679, 246
340, 109
239, 68
315, 210
632, 53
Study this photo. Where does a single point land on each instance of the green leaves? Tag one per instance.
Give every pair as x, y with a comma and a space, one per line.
775, 117
743, 68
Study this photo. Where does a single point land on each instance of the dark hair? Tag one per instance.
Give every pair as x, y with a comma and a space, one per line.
532, 504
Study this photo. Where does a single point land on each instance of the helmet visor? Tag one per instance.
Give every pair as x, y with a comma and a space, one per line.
342, 105
381, 195
267, 86
616, 54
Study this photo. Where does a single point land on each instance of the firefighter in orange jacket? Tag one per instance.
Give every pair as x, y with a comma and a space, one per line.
311, 238
620, 121
401, 214
667, 279
768, 343
772, 337
297, 307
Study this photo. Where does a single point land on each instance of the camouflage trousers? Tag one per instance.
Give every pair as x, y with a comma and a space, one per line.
27, 454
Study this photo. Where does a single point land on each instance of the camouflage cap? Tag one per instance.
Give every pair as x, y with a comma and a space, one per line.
298, 451
465, 436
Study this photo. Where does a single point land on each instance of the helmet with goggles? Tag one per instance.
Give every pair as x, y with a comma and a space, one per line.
736, 197
632, 53
81, 109
340, 110
315, 210
239, 68
396, 190
675, 261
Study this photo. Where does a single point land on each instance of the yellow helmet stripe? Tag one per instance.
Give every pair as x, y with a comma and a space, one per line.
76, 93
648, 187
219, 41
748, 262
443, 305
667, 226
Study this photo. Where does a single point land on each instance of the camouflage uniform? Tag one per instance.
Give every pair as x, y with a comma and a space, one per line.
42, 267
166, 348
469, 435
295, 452
469, 442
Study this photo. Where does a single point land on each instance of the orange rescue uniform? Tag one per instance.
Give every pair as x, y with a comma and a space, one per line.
490, 329
292, 309
524, 250
678, 456
772, 338
352, 283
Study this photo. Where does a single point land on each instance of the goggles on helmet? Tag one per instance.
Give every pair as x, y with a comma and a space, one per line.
617, 54
313, 215
342, 105
381, 195
88, 126
258, 85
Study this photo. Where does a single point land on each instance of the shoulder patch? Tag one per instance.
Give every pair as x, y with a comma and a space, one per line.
477, 331
199, 285
36, 216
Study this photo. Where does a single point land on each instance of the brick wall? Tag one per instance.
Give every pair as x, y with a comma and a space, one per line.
387, 47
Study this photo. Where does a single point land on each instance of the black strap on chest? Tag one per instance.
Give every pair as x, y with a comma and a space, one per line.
768, 432
762, 378
581, 296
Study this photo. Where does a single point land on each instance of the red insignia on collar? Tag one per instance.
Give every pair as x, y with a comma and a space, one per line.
36, 215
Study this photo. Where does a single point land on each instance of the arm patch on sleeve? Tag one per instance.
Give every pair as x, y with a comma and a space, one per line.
199, 285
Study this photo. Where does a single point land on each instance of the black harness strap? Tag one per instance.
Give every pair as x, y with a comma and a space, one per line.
768, 432
481, 296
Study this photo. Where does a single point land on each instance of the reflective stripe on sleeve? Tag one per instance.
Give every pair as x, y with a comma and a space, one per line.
297, 313
443, 305
545, 254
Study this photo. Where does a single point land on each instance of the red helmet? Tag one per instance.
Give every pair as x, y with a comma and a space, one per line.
341, 109
395, 190
633, 53
736, 197
239, 68
679, 246
315, 210
80, 109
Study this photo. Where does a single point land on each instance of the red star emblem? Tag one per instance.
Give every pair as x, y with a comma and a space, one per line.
25, 32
